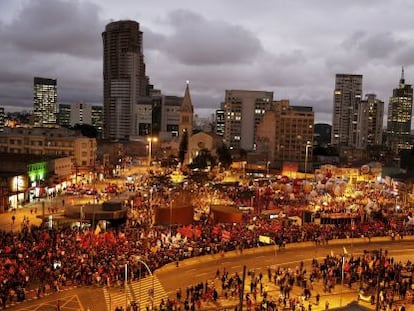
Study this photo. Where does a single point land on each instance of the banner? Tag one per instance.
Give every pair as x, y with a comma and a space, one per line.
265, 239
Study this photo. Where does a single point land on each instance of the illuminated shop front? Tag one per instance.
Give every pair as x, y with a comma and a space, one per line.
18, 187
37, 173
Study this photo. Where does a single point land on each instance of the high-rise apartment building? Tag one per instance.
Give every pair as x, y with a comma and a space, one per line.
63, 118
370, 120
286, 134
97, 119
124, 77
81, 113
1, 119
157, 115
220, 121
400, 109
45, 102
244, 110
347, 96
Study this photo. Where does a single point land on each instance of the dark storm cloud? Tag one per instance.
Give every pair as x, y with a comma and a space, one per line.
380, 45
54, 39
405, 56
199, 41
54, 26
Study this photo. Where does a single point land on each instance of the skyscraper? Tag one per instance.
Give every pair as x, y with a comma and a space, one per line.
400, 110
370, 120
347, 96
244, 110
220, 120
123, 75
45, 102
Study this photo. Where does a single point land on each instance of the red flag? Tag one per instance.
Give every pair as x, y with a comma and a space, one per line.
216, 230
225, 235
197, 232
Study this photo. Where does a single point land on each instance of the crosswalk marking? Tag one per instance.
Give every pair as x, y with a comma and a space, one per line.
147, 292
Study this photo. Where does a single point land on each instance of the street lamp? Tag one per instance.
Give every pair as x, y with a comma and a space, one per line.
308, 145
150, 141
138, 259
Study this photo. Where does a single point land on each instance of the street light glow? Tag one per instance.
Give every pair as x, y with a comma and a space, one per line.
150, 141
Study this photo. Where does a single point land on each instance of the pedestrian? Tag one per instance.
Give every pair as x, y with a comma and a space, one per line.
327, 305
58, 305
13, 219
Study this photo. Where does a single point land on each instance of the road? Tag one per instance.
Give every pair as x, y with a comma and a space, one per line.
202, 269
195, 270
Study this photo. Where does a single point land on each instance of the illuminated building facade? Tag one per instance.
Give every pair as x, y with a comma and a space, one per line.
45, 102
56, 141
400, 109
220, 121
346, 99
81, 113
286, 134
370, 121
26, 177
123, 76
244, 110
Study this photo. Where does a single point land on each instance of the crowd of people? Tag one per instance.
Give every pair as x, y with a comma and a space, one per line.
43, 258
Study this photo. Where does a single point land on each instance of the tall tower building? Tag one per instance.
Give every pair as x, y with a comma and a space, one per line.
347, 96
243, 111
186, 114
123, 75
45, 102
370, 120
220, 120
399, 116
63, 118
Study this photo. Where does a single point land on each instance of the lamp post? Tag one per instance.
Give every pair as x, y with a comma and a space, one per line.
138, 259
308, 145
150, 141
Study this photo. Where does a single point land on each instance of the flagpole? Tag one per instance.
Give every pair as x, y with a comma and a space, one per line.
342, 279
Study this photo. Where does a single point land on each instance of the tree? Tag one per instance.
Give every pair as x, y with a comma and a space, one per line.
224, 156
86, 130
203, 159
242, 154
183, 147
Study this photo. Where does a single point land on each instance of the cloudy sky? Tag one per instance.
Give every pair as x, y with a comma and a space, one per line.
290, 47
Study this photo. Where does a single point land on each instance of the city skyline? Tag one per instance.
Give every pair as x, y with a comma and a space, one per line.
292, 49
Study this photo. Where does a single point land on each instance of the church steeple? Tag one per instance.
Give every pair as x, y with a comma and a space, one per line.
185, 126
187, 105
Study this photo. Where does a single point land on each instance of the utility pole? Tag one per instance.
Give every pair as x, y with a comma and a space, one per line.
377, 305
241, 294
